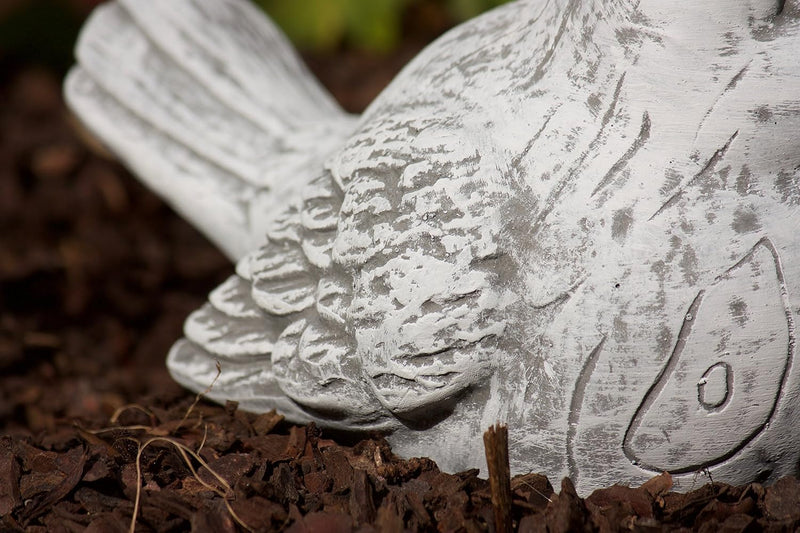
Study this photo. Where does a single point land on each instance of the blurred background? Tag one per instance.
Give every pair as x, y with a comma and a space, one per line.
43, 31
96, 273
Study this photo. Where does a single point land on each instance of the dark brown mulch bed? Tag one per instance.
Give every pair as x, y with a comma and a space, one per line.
96, 277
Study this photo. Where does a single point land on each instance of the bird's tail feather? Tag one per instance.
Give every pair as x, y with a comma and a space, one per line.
208, 104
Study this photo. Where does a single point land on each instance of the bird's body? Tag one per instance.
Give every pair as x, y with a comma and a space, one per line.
575, 217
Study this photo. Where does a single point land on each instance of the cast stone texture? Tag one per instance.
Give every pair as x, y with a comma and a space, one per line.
578, 218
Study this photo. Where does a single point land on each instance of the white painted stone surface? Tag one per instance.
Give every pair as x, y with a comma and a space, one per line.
579, 218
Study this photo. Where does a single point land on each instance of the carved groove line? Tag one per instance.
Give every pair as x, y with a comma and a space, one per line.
730, 85
659, 383
574, 170
576, 405
701, 388
705, 171
616, 168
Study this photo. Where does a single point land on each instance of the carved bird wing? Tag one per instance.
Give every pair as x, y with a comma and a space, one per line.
360, 310
379, 296
383, 290
207, 103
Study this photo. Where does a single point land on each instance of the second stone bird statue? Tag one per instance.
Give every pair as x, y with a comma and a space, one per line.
581, 218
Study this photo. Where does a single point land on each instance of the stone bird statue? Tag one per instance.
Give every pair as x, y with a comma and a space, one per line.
579, 218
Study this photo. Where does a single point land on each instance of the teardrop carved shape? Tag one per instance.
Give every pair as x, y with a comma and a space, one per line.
725, 377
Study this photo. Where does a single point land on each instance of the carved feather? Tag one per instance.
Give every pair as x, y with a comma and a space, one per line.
210, 105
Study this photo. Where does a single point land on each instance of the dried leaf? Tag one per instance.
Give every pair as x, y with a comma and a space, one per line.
782, 500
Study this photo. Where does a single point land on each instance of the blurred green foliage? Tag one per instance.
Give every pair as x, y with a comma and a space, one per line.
466, 9
374, 25
44, 31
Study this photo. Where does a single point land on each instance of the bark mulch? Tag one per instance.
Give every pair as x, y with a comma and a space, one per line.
96, 277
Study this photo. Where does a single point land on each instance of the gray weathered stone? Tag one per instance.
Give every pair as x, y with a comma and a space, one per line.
579, 218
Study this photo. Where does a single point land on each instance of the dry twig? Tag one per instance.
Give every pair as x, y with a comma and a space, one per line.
495, 442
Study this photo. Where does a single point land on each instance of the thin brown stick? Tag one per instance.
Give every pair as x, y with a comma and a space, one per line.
201, 395
116, 428
226, 492
131, 407
495, 442
537, 491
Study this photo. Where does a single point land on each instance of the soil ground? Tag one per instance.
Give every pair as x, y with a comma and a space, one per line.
96, 277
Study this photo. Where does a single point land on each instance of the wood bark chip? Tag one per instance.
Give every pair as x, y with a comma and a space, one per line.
301, 492
55, 485
495, 441
362, 503
9, 477
266, 422
782, 501
567, 513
